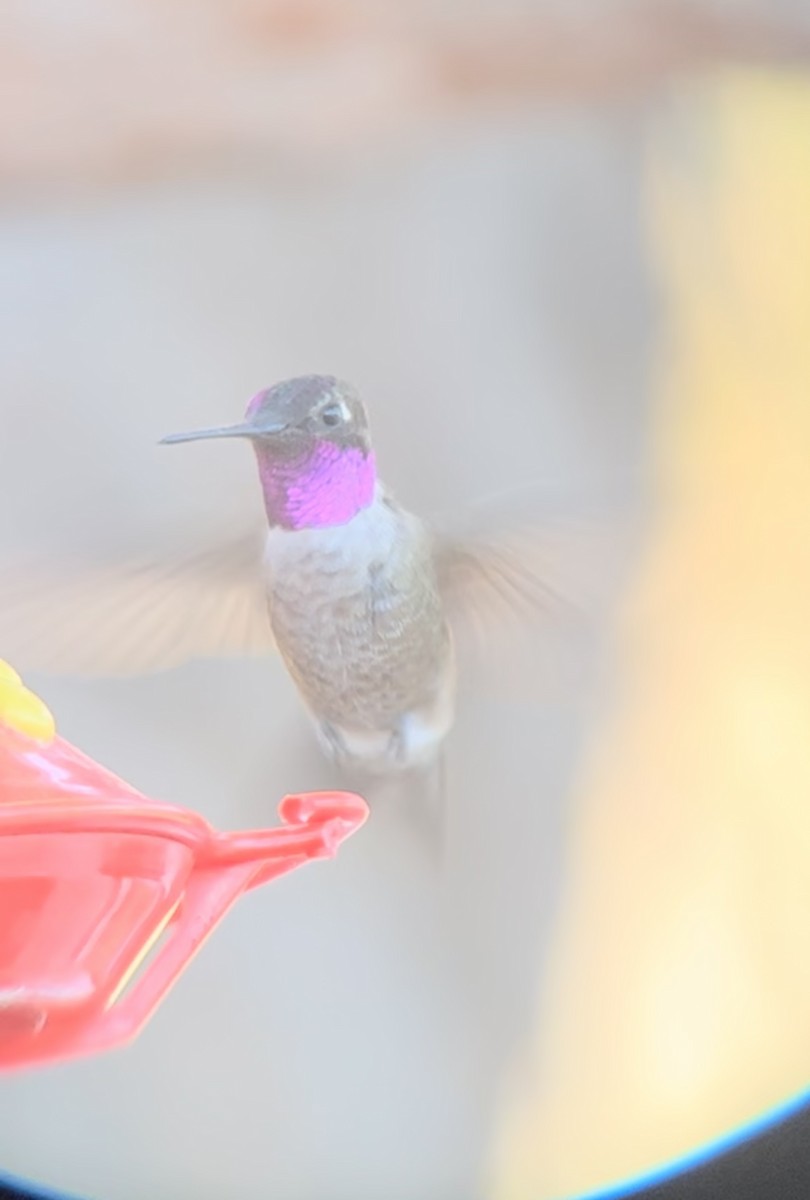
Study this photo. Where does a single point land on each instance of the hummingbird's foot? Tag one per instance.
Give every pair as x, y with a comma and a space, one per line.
333, 743
397, 749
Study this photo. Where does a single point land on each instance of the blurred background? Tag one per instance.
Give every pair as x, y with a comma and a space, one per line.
588, 219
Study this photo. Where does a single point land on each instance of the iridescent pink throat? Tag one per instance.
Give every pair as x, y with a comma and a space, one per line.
326, 485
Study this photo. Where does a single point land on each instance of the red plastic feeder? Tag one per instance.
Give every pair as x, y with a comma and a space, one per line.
92, 873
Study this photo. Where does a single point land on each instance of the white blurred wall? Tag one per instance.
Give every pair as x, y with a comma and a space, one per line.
187, 216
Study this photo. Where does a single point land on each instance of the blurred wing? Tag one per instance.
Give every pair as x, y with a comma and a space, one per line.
135, 617
524, 594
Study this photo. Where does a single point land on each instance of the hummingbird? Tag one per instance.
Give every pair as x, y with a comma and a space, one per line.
352, 585
365, 602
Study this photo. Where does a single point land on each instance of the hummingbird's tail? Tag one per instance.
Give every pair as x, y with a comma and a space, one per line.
416, 799
440, 800
428, 807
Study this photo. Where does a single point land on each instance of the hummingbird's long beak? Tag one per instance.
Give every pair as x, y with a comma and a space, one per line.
225, 431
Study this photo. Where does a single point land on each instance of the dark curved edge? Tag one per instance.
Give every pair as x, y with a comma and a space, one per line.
14, 1188
771, 1165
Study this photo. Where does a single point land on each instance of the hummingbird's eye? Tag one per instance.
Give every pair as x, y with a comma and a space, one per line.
334, 414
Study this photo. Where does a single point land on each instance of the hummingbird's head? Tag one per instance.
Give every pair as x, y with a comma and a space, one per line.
311, 440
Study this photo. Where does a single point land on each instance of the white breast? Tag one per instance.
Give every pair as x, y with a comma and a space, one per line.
371, 535
303, 566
